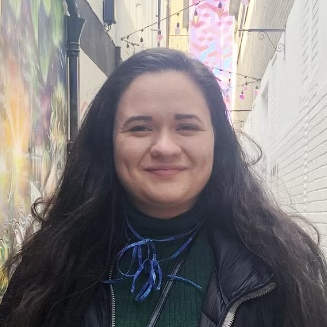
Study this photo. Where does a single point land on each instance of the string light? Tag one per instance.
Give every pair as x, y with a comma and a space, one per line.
220, 10
159, 36
196, 17
128, 44
142, 45
241, 85
241, 95
161, 20
255, 79
177, 29
245, 86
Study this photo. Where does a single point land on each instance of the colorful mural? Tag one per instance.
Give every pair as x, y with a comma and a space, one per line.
33, 114
211, 40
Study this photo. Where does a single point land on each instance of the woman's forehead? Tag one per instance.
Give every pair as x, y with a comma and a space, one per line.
171, 91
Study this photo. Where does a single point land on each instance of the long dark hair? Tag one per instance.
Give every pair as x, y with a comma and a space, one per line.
82, 223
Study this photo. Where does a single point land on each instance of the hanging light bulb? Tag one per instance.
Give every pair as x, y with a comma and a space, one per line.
159, 36
142, 45
245, 2
256, 90
241, 95
229, 84
220, 10
245, 86
177, 29
195, 17
127, 45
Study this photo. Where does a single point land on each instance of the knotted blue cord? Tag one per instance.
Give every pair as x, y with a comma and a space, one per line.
148, 263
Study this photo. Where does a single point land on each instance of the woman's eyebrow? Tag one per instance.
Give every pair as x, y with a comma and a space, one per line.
187, 116
137, 118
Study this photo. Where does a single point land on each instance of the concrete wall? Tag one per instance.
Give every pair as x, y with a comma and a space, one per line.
91, 81
289, 117
98, 53
253, 54
33, 112
132, 15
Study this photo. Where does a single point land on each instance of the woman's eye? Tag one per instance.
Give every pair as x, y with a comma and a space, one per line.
140, 129
188, 128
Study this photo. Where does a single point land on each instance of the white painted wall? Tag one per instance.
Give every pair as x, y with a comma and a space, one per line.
91, 80
132, 15
289, 118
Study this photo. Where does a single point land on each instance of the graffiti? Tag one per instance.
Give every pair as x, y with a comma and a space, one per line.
33, 114
211, 41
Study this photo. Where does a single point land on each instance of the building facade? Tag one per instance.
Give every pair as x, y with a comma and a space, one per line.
104, 46
288, 118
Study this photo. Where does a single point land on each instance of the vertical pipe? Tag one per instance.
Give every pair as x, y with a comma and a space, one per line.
74, 26
159, 19
168, 24
117, 56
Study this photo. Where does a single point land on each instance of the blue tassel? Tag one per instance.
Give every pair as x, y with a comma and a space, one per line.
148, 264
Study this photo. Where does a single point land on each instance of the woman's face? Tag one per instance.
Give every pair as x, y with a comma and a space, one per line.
163, 143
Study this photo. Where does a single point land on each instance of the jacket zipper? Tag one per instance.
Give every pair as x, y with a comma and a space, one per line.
229, 319
113, 301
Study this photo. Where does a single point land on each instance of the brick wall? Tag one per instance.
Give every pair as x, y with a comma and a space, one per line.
296, 88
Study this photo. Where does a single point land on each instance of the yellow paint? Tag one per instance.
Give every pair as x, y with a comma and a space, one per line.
14, 165
179, 42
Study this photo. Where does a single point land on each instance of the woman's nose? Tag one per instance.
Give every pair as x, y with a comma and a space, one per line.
165, 145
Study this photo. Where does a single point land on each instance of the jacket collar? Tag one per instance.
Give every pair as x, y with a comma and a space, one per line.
238, 270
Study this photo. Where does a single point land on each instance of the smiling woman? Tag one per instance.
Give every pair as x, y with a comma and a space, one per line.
159, 151
159, 219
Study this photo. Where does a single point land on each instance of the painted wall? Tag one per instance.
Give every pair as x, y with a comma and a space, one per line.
211, 41
289, 117
33, 112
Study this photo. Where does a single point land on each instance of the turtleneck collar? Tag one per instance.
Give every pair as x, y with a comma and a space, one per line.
148, 226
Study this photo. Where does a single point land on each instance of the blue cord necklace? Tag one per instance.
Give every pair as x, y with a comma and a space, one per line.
144, 257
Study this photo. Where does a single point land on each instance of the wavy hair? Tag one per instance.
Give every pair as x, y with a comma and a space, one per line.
82, 223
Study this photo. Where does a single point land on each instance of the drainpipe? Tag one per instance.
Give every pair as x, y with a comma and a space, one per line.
117, 56
74, 28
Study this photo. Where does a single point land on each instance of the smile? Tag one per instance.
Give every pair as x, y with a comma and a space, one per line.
165, 171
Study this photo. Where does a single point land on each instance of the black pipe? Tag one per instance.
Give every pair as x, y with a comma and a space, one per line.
74, 28
117, 56
72, 8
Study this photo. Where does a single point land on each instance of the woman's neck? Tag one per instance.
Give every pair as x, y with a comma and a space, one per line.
147, 225
163, 211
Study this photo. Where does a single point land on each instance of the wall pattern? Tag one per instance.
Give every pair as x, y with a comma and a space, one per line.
211, 40
33, 114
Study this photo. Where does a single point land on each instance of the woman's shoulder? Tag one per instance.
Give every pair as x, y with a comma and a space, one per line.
239, 270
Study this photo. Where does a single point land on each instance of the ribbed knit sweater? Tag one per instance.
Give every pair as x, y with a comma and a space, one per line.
184, 303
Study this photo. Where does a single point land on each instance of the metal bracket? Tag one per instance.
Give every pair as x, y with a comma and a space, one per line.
263, 33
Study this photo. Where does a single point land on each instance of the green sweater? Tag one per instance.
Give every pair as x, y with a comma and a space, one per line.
183, 307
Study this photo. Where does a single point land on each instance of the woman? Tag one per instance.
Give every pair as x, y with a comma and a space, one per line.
160, 221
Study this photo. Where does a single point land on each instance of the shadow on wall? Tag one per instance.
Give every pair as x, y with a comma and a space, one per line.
33, 113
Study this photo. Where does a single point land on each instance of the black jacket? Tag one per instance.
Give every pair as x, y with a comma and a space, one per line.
241, 293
